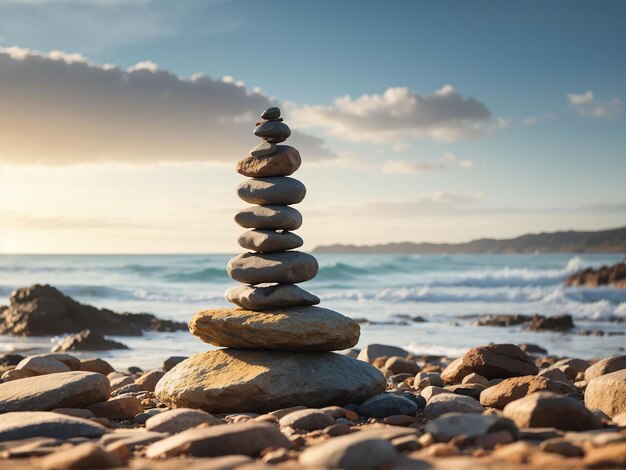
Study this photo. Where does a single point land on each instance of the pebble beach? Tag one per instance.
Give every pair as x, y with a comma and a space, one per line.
494, 407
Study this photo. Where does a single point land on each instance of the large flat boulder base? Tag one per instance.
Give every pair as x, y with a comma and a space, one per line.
230, 380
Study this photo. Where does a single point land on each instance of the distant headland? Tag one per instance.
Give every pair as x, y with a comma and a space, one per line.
602, 241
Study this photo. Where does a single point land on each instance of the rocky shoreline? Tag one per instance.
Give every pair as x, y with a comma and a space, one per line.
612, 276
43, 310
494, 407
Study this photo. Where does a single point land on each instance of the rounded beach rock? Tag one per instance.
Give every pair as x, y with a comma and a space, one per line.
117, 408
46, 392
262, 162
605, 366
214, 441
354, 451
373, 351
263, 149
309, 419
551, 410
43, 365
275, 190
265, 298
268, 241
496, 361
271, 113
287, 267
269, 217
27, 424
607, 393
180, 419
229, 380
515, 388
444, 403
273, 131
293, 329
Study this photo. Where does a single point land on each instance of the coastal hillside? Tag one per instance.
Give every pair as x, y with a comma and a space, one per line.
602, 241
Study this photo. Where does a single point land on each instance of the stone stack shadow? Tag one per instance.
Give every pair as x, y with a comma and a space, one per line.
278, 344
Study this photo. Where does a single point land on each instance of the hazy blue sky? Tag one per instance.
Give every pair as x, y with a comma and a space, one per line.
423, 121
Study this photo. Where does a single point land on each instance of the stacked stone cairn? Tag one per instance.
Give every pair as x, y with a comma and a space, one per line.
277, 343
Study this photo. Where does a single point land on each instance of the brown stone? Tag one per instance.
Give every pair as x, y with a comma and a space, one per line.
547, 409
513, 389
117, 408
399, 365
27, 424
294, 329
241, 438
607, 393
373, 351
39, 365
46, 392
149, 380
229, 380
283, 162
495, 361
309, 419
605, 366
83, 456
96, 365
180, 419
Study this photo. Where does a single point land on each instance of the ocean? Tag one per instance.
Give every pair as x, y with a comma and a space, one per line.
383, 289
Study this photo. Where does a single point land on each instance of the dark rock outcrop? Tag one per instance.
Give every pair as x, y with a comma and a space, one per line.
555, 323
87, 340
42, 310
605, 276
533, 323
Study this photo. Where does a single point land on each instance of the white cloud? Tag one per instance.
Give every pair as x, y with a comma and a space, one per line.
581, 98
605, 109
59, 108
397, 114
407, 167
587, 105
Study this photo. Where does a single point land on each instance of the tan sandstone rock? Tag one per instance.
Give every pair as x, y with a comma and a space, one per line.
551, 410
605, 366
46, 392
607, 393
230, 380
513, 389
496, 361
284, 161
294, 329
240, 438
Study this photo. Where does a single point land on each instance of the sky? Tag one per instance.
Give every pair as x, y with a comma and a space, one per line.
121, 121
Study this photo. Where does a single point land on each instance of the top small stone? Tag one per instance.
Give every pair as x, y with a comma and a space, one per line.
271, 113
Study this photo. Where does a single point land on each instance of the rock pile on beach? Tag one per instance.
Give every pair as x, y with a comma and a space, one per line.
495, 407
277, 342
